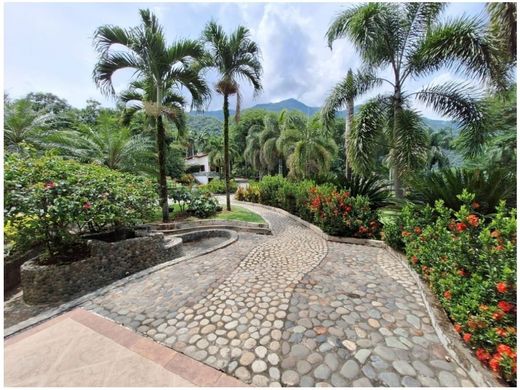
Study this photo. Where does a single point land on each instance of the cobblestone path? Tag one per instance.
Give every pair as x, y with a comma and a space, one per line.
290, 309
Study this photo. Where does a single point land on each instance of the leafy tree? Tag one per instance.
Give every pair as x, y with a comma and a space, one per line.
413, 42
234, 57
343, 94
160, 67
308, 149
23, 126
47, 103
107, 143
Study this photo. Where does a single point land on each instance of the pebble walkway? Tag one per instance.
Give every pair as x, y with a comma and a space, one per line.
290, 310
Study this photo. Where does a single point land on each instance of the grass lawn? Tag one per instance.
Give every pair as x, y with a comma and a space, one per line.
237, 213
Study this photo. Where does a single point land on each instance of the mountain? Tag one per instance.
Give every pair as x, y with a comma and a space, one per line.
293, 104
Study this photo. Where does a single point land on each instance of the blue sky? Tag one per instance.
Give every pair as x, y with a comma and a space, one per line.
48, 46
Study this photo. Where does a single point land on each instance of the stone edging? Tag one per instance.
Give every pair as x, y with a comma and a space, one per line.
184, 227
46, 315
440, 321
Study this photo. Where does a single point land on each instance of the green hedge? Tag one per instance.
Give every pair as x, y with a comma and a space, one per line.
52, 200
470, 264
218, 186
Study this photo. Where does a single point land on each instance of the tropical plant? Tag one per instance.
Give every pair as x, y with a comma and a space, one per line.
106, 143
489, 187
234, 57
413, 42
23, 126
308, 148
438, 143
216, 154
160, 68
343, 94
375, 188
503, 22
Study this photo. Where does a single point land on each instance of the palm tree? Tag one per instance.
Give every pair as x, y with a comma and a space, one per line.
343, 95
163, 67
410, 39
503, 25
271, 152
24, 126
253, 150
234, 57
308, 149
216, 154
107, 143
437, 144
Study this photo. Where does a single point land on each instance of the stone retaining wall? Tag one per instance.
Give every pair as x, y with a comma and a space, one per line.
12, 266
109, 261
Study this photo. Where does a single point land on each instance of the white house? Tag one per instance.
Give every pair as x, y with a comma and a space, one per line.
200, 168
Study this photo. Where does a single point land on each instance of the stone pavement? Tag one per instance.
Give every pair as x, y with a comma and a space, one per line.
290, 309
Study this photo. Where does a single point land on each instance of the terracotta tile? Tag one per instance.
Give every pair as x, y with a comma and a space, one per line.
228, 381
153, 351
38, 328
195, 372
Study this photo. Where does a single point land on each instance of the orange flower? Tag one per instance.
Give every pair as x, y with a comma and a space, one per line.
495, 234
447, 294
458, 328
414, 259
501, 287
501, 332
483, 307
494, 364
406, 234
475, 205
506, 306
417, 230
467, 337
473, 220
483, 355
461, 226
498, 315
499, 248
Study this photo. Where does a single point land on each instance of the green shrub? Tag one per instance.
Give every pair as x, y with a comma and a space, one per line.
269, 187
218, 186
470, 264
392, 234
52, 200
373, 187
203, 205
249, 194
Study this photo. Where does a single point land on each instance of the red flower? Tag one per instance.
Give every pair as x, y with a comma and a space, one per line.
87, 205
363, 229
447, 294
494, 364
461, 272
498, 315
405, 233
467, 337
483, 355
348, 209
501, 332
424, 269
461, 227
506, 306
495, 234
499, 248
473, 220
504, 349
417, 230
414, 259
50, 185
501, 287
458, 328
475, 205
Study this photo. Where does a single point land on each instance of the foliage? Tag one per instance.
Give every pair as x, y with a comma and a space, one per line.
372, 187
202, 204
186, 179
239, 214
336, 212
175, 164
53, 200
470, 264
490, 187
217, 186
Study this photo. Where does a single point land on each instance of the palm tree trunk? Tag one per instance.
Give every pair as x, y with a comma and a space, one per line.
161, 152
226, 150
348, 125
398, 190
280, 167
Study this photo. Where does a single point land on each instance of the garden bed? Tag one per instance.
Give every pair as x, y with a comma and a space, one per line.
107, 262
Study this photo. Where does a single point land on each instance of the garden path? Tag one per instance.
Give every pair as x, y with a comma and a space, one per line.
290, 309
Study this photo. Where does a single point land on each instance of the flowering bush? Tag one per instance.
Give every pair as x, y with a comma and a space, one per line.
52, 200
339, 214
217, 186
202, 204
470, 263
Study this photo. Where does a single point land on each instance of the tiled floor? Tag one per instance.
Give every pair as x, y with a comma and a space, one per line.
81, 349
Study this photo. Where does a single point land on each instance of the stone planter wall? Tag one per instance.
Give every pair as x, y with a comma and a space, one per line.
108, 261
12, 266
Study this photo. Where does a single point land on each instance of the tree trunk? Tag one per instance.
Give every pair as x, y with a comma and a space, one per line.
226, 150
161, 152
398, 190
280, 167
348, 125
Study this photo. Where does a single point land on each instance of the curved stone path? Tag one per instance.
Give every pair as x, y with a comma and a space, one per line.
293, 310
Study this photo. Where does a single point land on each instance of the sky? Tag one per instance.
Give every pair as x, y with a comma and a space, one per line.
48, 46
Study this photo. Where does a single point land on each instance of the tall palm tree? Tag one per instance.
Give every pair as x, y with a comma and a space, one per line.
502, 17
234, 57
437, 144
343, 95
23, 125
308, 149
164, 67
271, 152
216, 154
253, 150
410, 39
107, 143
